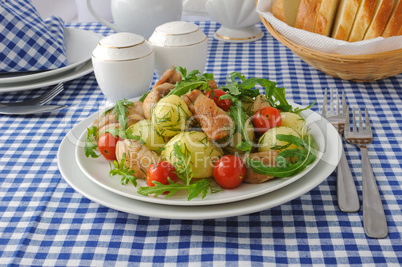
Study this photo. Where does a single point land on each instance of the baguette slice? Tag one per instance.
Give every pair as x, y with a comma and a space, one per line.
395, 22
304, 8
311, 16
345, 18
381, 15
362, 21
326, 17
286, 11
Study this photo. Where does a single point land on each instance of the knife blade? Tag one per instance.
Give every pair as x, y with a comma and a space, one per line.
23, 110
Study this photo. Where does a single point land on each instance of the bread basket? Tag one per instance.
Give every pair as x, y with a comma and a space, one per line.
359, 68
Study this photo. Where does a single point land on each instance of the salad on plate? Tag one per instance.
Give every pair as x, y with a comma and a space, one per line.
188, 134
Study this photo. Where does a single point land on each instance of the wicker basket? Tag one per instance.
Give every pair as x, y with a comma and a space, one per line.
360, 68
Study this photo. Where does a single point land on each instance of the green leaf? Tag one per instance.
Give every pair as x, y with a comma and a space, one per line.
127, 174
90, 143
120, 109
305, 156
191, 81
144, 95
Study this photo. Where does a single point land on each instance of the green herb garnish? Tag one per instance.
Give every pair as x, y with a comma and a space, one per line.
90, 143
125, 172
305, 156
120, 109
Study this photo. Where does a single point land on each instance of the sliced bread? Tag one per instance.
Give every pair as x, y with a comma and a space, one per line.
326, 17
395, 22
311, 16
286, 10
304, 8
381, 15
362, 21
345, 18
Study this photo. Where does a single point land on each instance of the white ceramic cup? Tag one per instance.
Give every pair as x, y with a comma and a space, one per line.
123, 66
179, 43
140, 16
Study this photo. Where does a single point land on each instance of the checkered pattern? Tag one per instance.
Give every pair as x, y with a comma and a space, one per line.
27, 42
44, 222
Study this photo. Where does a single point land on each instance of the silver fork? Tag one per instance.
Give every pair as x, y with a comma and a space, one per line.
40, 100
375, 223
348, 199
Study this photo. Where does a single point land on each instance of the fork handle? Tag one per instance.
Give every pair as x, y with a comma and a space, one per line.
375, 223
348, 199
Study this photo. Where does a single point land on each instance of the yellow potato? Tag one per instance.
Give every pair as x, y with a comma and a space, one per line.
170, 115
203, 153
268, 139
294, 121
147, 132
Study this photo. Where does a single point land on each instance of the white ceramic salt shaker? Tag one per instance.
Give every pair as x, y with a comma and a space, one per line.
123, 65
179, 43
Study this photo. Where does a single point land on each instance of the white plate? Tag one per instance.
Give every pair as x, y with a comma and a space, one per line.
77, 72
98, 171
82, 184
79, 46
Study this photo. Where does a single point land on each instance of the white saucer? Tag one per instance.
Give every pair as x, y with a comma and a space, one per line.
79, 46
244, 35
77, 72
82, 184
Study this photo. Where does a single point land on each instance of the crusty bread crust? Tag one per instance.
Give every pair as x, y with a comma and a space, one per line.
302, 13
380, 19
345, 18
395, 22
286, 10
278, 10
311, 17
326, 17
362, 21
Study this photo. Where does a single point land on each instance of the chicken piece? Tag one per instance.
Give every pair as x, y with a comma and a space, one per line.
161, 88
215, 123
109, 120
268, 158
154, 96
138, 156
259, 103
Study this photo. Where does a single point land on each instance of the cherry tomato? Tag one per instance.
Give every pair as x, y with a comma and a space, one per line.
107, 146
266, 118
159, 172
229, 171
215, 95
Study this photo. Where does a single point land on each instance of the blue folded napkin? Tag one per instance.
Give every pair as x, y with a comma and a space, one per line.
27, 42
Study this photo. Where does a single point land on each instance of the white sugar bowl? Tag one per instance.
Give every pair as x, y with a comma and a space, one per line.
179, 43
123, 65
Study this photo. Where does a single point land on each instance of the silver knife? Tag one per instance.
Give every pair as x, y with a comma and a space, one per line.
23, 110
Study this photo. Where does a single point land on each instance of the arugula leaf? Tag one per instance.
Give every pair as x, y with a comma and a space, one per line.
90, 143
191, 81
118, 132
120, 109
305, 155
125, 172
144, 95
239, 117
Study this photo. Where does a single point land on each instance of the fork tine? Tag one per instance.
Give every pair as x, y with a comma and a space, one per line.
344, 105
354, 121
324, 105
368, 126
360, 120
347, 122
51, 94
337, 102
331, 105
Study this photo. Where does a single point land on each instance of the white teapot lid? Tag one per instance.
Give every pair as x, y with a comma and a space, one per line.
122, 46
176, 34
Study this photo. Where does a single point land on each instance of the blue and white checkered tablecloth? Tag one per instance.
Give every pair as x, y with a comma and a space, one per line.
44, 222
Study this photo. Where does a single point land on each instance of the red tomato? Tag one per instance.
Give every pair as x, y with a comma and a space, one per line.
107, 146
215, 95
159, 172
266, 118
229, 171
